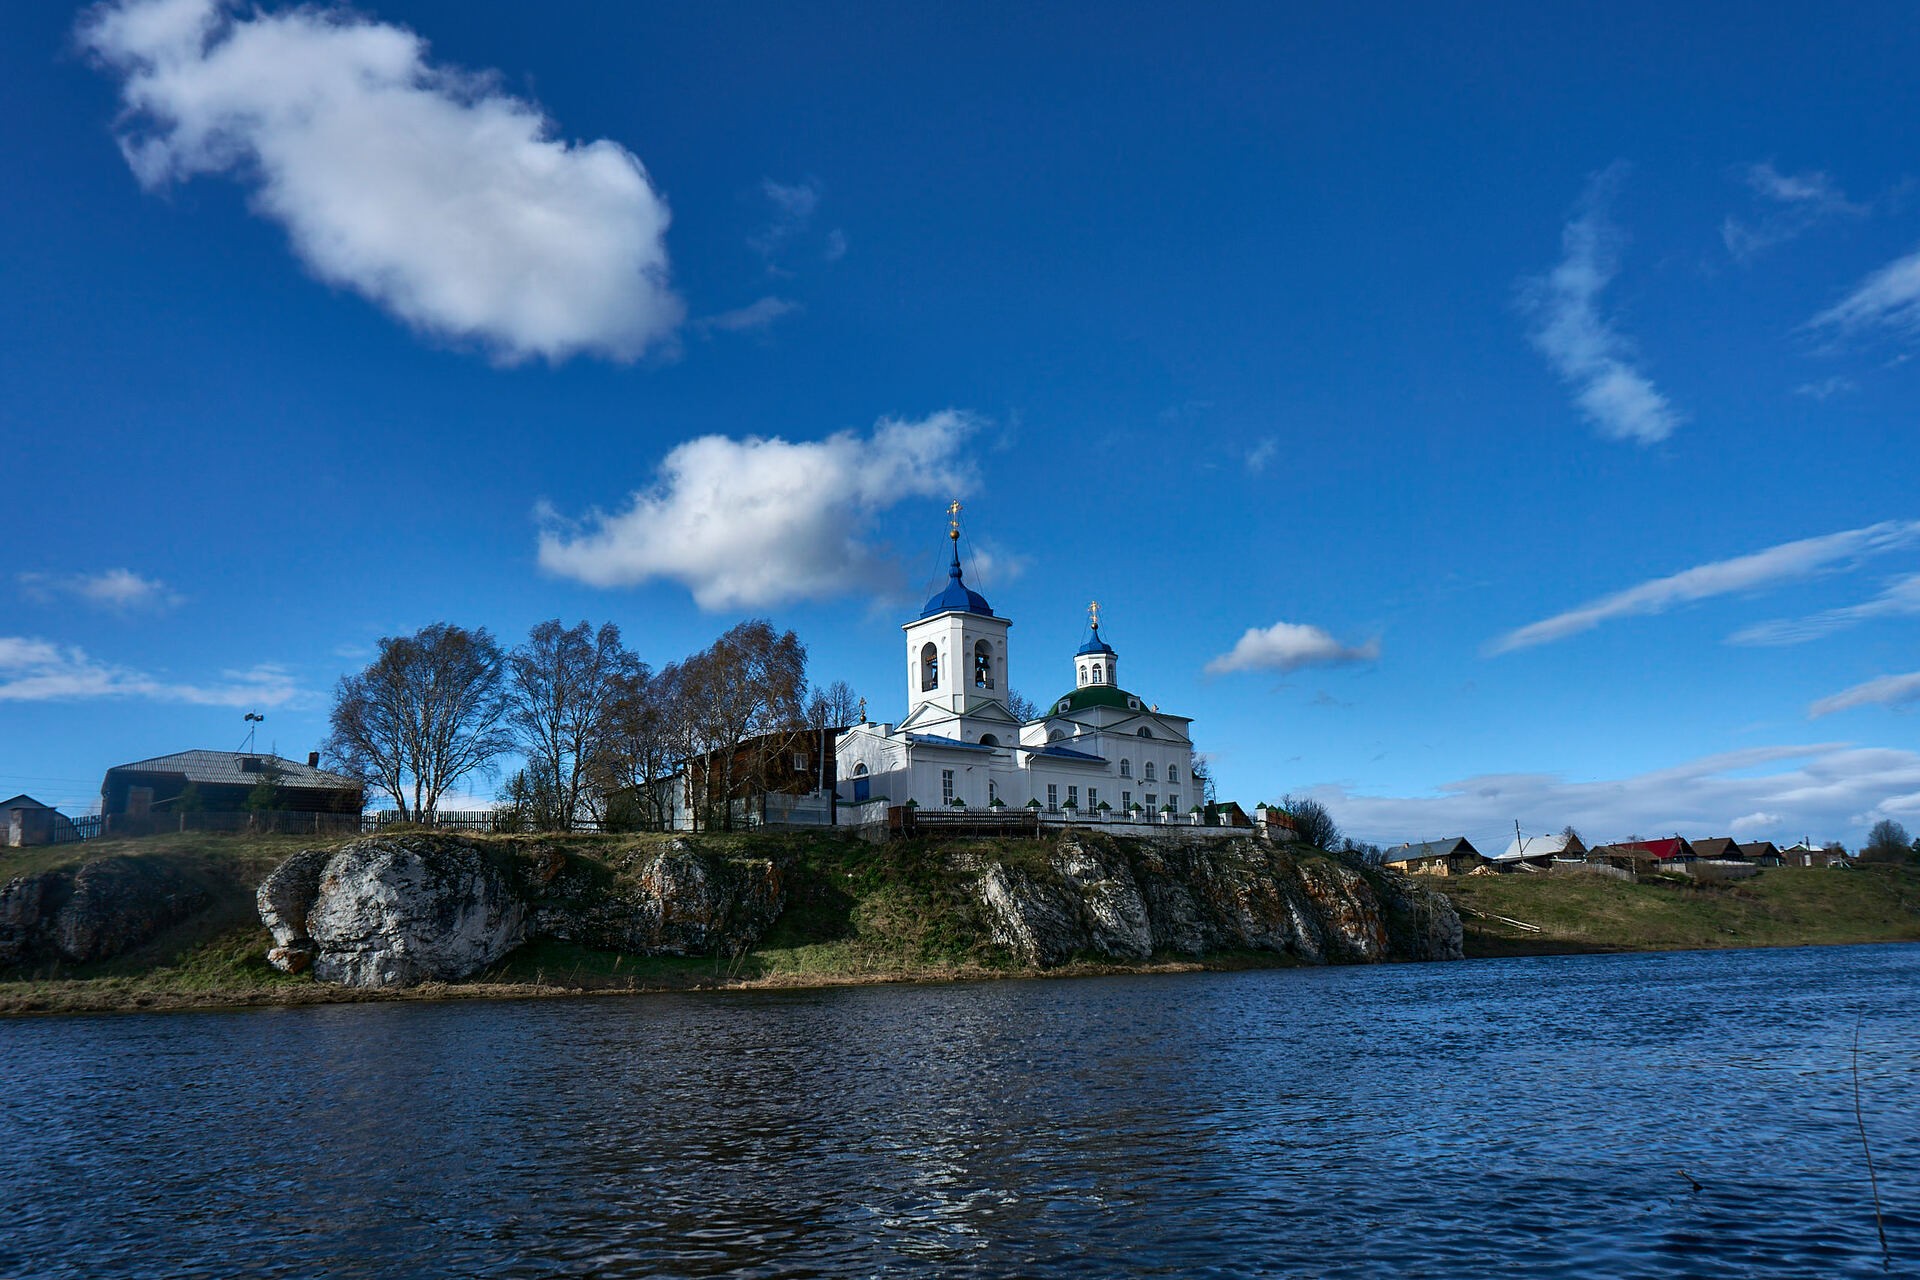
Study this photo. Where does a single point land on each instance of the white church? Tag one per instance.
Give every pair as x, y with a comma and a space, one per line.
1096, 750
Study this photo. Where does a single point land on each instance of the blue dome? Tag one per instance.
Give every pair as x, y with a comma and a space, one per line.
1095, 645
958, 597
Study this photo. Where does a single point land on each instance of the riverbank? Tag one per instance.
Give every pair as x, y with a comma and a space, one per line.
850, 913
859, 914
1780, 907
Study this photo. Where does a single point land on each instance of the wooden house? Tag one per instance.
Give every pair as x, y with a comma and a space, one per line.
25, 821
1455, 857
224, 782
1538, 853
1761, 853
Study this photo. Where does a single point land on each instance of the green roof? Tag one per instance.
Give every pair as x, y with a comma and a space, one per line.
1096, 695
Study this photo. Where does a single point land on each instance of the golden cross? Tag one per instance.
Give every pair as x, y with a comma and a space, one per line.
1093, 613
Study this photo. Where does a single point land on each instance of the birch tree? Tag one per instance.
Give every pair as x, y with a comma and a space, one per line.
561, 686
423, 715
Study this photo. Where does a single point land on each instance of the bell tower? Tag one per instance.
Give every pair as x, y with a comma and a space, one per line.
956, 647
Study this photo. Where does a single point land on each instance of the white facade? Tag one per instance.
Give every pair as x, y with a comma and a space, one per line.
1097, 744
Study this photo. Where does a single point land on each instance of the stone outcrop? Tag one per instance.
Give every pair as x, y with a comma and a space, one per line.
98, 910
395, 911
1130, 899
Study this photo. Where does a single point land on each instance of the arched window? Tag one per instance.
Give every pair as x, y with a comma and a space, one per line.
929, 666
982, 665
1083, 673
860, 770
1145, 732
989, 740
1126, 767
1173, 773
1146, 772
1056, 735
1096, 673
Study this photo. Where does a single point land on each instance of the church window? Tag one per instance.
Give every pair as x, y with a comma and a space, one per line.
1083, 673
1073, 796
946, 786
929, 666
1173, 773
1066, 704
1126, 767
982, 665
1173, 798
1096, 673
1150, 799
1146, 771
993, 791
1056, 735
1053, 798
860, 770
1126, 801
1145, 732
1093, 797
989, 740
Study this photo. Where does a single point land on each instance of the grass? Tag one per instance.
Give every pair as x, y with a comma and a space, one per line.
1780, 907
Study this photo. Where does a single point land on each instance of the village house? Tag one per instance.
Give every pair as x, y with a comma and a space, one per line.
1717, 849
1538, 853
787, 777
1455, 857
139, 797
1761, 853
24, 821
1645, 853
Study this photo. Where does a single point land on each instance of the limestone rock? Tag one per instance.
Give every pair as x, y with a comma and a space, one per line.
100, 909
1132, 898
392, 911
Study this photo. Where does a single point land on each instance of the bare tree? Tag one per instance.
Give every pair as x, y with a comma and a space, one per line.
1887, 842
1200, 769
747, 684
561, 686
1312, 823
834, 707
643, 743
1020, 706
423, 715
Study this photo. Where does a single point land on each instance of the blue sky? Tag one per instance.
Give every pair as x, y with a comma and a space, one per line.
1532, 384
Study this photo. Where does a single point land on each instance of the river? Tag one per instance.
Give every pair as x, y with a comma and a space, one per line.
1525, 1116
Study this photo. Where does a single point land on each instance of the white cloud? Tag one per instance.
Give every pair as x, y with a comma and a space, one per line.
794, 205
424, 188
755, 317
1261, 454
1900, 599
1581, 343
118, 590
34, 670
1778, 564
1827, 388
1822, 790
760, 521
1889, 298
1793, 203
1288, 646
1883, 691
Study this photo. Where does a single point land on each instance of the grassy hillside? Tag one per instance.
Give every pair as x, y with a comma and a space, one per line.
901, 911
855, 913
1780, 907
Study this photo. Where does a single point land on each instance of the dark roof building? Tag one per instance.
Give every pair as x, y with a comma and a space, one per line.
1717, 848
223, 781
25, 821
1437, 857
1764, 852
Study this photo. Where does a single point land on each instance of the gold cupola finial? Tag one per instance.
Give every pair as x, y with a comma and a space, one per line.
953, 519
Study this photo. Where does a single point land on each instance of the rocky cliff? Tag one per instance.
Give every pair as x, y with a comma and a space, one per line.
98, 910
1129, 899
399, 910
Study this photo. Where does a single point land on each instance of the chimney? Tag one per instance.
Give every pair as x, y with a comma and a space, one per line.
313, 759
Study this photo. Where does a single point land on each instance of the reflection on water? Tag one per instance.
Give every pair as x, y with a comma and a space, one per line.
1532, 1115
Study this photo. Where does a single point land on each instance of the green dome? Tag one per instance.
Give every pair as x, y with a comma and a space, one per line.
1096, 695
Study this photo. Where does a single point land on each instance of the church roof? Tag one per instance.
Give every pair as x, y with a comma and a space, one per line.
958, 597
1097, 695
1095, 645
